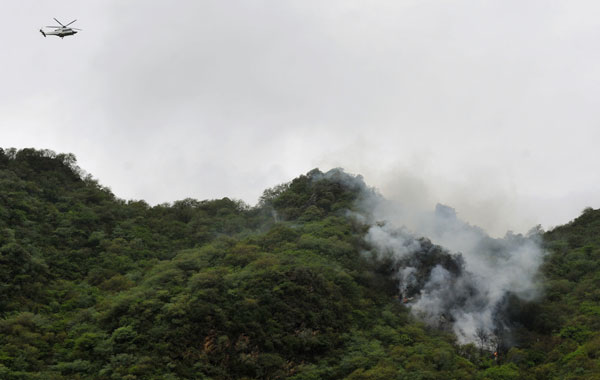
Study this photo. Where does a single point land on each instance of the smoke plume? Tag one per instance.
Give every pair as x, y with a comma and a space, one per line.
450, 274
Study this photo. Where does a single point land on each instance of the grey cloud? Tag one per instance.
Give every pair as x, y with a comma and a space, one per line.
239, 96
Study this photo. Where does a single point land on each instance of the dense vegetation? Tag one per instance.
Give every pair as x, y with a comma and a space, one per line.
94, 287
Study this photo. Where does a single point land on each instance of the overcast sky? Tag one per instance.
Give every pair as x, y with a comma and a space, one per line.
491, 107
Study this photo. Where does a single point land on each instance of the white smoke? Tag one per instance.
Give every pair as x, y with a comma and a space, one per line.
451, 274
468, 297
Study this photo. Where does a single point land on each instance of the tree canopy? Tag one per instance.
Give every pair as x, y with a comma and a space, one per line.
96, 287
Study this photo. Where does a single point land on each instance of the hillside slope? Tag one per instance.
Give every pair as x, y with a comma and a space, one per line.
94, 287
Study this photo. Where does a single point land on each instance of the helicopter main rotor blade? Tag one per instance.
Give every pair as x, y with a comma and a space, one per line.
53, 26
71, 22
58, 21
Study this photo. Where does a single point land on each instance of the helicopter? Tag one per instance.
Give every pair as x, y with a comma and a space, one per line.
61, 31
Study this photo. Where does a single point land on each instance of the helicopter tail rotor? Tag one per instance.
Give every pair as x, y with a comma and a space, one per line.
42, 31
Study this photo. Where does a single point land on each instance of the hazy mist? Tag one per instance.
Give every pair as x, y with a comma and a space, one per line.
490, 107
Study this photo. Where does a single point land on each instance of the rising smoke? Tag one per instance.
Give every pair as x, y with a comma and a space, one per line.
452, 275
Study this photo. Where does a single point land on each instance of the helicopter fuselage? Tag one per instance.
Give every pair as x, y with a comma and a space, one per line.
61, 32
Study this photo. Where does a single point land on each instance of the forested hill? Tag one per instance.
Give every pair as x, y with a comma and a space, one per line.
95, 287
